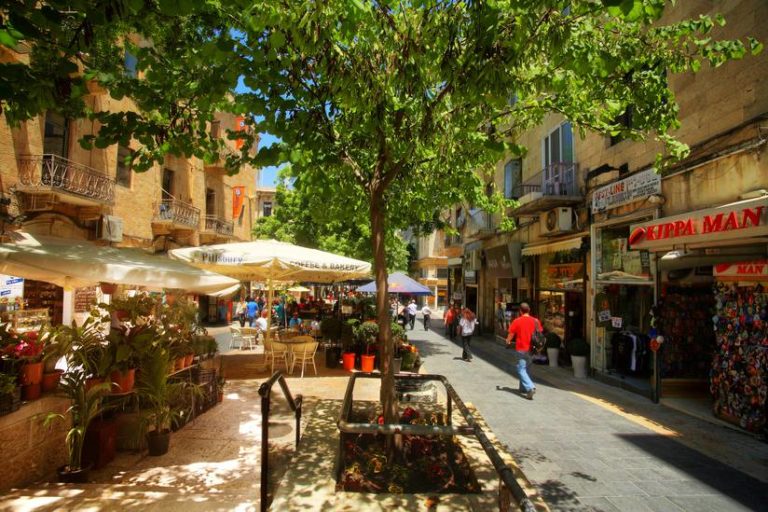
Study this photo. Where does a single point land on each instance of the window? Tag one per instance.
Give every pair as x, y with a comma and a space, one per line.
624, 121
56, 135
123, 173
210, 201
215, 129
130, 64
442, 273
513, 172
558, 146
169, 184
267, 209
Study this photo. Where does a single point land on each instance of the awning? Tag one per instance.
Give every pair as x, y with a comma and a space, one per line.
561, 245
75, 264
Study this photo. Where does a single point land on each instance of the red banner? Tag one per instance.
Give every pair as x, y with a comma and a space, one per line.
748, 270
239, 127
238, 201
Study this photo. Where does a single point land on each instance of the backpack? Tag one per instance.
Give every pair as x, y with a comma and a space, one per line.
538, 340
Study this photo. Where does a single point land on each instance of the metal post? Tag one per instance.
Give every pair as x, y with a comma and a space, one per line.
264, 450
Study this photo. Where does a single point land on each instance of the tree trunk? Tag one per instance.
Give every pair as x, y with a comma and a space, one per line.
386, 347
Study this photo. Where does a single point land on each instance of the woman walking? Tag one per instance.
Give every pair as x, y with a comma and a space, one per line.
467, 325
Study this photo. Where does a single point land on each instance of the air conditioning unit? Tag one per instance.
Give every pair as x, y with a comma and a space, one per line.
557, 221
111, 229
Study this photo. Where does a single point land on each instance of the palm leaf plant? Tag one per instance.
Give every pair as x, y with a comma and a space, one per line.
85, 406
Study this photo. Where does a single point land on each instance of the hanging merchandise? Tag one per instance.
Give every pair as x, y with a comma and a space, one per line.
684, 315
739, 377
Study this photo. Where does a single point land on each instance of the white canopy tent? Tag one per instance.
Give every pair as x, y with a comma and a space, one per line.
271, 261
74, 264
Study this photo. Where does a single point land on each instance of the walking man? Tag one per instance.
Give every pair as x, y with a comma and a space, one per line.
427, 313
251, 310
467, 325
521, 330
448, 321
412, 309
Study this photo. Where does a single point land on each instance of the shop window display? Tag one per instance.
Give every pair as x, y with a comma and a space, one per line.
739, 376
614, 259
685, 313
623, 311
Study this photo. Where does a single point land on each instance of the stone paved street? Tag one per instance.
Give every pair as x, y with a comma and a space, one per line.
588, 446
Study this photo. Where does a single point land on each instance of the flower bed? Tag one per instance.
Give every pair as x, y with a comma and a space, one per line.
428, 464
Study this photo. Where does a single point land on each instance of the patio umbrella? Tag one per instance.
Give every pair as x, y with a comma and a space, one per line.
397, 282
273, 261
74, 264
298, 289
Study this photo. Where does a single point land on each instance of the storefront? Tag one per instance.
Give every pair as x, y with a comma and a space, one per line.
712, 306
559, 277
503, 268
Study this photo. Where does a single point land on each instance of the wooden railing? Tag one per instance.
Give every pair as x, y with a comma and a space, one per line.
58, 174
177, 212
219, 226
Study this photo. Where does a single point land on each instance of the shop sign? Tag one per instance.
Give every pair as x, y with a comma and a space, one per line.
745, 270
470, 277
747, 219
11, 286
631, 188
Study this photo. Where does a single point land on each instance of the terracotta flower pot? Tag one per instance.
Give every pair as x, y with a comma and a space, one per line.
93, 381
178, 364
123, 380
348, 361
367, 363
51, 380
31, 373
122, 315
108, 288
31, 391
188, 360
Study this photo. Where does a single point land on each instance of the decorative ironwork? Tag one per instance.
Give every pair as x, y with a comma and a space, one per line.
213, 224
177, 212
55, 173
554, 180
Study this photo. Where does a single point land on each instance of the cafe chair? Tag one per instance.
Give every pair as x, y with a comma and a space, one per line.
303, 350
236, 342
276, 351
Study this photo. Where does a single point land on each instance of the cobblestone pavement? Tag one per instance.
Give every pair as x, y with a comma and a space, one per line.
589, 446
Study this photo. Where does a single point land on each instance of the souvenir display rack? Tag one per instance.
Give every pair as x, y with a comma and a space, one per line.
38, 295
739, 376
685, 314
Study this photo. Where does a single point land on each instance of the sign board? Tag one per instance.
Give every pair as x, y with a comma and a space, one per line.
470, 277
735, 221
85, 299
631, 188
11, 287
754, 270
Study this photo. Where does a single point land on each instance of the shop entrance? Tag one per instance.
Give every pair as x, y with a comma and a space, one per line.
470, 300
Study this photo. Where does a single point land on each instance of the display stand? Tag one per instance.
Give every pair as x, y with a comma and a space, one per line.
24, 320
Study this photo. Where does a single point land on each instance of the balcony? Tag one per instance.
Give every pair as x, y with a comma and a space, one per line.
216, 227
175, 215
61, 180
554, 186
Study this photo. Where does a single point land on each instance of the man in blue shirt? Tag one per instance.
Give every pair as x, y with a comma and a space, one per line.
252, 310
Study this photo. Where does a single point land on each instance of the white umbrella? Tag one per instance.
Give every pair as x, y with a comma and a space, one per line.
74, 264
298, 289
273, 261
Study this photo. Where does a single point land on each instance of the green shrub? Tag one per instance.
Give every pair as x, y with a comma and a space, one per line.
578, 347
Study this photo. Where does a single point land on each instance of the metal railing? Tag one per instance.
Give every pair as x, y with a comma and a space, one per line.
265, 391
55, 173
219, 226
554, 180
471, 428
177, 212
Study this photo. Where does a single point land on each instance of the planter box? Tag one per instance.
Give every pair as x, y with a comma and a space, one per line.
10, 402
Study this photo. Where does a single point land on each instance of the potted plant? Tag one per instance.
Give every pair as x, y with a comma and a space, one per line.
87, 347
55, 348
10, 394
400, 338
140, 306
367, 334
411, 358
159, 399
348, 344
552, 344
220, 383
330, 329
29, 351
579, 351
85, 406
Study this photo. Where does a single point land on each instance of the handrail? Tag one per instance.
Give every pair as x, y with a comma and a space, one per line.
265, 390
473, 428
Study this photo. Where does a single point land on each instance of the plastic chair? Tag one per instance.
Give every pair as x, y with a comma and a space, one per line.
303, 350
236, 342
274, 350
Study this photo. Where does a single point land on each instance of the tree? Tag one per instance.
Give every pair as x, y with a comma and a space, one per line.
390, 107
302, 219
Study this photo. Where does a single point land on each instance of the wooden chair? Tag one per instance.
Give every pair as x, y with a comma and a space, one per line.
274, 350
303, 350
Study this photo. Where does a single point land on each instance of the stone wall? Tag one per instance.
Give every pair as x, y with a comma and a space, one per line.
31, 451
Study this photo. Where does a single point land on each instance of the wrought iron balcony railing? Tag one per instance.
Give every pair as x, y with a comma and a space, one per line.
214, 224
554, 180
177, 212
53, 173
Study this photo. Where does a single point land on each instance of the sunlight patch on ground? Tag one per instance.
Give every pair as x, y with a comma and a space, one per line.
635, 418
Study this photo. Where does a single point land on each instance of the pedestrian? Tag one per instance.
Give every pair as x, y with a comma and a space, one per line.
456, 320
448, 322
412, 309
426, 313
252, 310
467, 324
240, 311
521, 331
